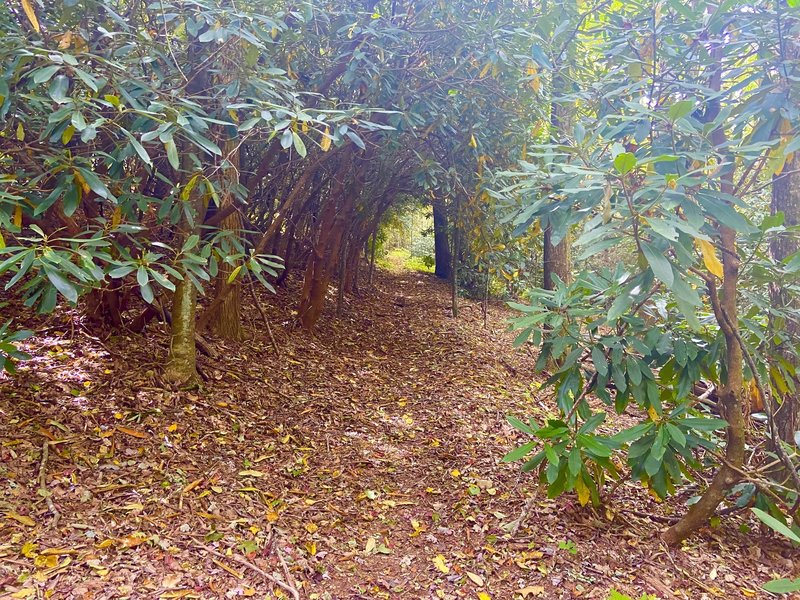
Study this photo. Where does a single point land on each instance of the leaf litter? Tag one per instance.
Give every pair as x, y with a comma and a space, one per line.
363, 462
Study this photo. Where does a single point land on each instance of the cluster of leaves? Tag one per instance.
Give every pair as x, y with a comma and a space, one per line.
660, 160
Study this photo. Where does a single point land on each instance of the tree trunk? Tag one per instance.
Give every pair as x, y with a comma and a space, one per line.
227, 321
336, 214
181, 365
441, 243
786, 199
372, 256
556, 260
730, 395
182, 361
454, 265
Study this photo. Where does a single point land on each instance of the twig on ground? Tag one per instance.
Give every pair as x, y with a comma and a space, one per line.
265, 319
43, 491
246, 563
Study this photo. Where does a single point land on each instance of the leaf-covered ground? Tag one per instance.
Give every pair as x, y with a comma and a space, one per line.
363, 462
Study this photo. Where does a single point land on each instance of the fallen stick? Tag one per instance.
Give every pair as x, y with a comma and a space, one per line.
246, 563
43, 491
264, 317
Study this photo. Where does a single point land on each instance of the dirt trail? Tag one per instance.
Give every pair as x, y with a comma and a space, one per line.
361, 463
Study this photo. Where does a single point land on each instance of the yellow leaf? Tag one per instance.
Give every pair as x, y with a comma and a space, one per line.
455, 473
31, 14
485, 69
48, 562
439, 563
131, 432
189, 487
369, 548
81, 182
24, 593
311, 527
67, 135
172, 428
222, 565
476, 579
251, 474
653, 414
116, 216
28, 549
484, 596
312, 548
234, 273
710, 259
325, 142
18, 216
473, 143
27, 521
20, 132
2, 241
582, 490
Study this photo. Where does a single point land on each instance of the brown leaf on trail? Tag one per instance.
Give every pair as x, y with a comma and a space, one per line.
132, 432
190, 486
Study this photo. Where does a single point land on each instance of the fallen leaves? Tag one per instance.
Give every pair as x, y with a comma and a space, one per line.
132, 432
344, 492
439, 562
21, 519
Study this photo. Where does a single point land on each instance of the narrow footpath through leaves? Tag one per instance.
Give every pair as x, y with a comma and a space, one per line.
361, 463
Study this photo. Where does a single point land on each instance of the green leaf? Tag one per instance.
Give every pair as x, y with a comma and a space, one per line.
172, 153
677, 435
681, 109
519, 425
45, 73
775, 524
625, 162
299, 145
62, 285
519, 453
660, 264
783, 586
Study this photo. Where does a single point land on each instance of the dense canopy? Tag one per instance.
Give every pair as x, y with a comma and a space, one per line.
623, 175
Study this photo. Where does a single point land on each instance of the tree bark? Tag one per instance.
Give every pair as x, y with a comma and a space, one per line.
336, 214
786, 199
441, 243
556, 257
181, 365
730, 395
556, 260
227, 322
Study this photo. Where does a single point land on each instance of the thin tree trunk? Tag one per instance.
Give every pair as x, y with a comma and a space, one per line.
730, 395
181, 367
227, 322
556, 257
372, 256
786, 199
441, 244
454, 266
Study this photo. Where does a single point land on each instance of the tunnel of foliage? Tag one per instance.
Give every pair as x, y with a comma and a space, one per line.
627, 172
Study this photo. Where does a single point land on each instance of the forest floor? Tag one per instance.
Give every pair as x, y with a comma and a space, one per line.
363, 462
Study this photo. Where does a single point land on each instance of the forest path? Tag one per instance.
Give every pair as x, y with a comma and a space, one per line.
366, 456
